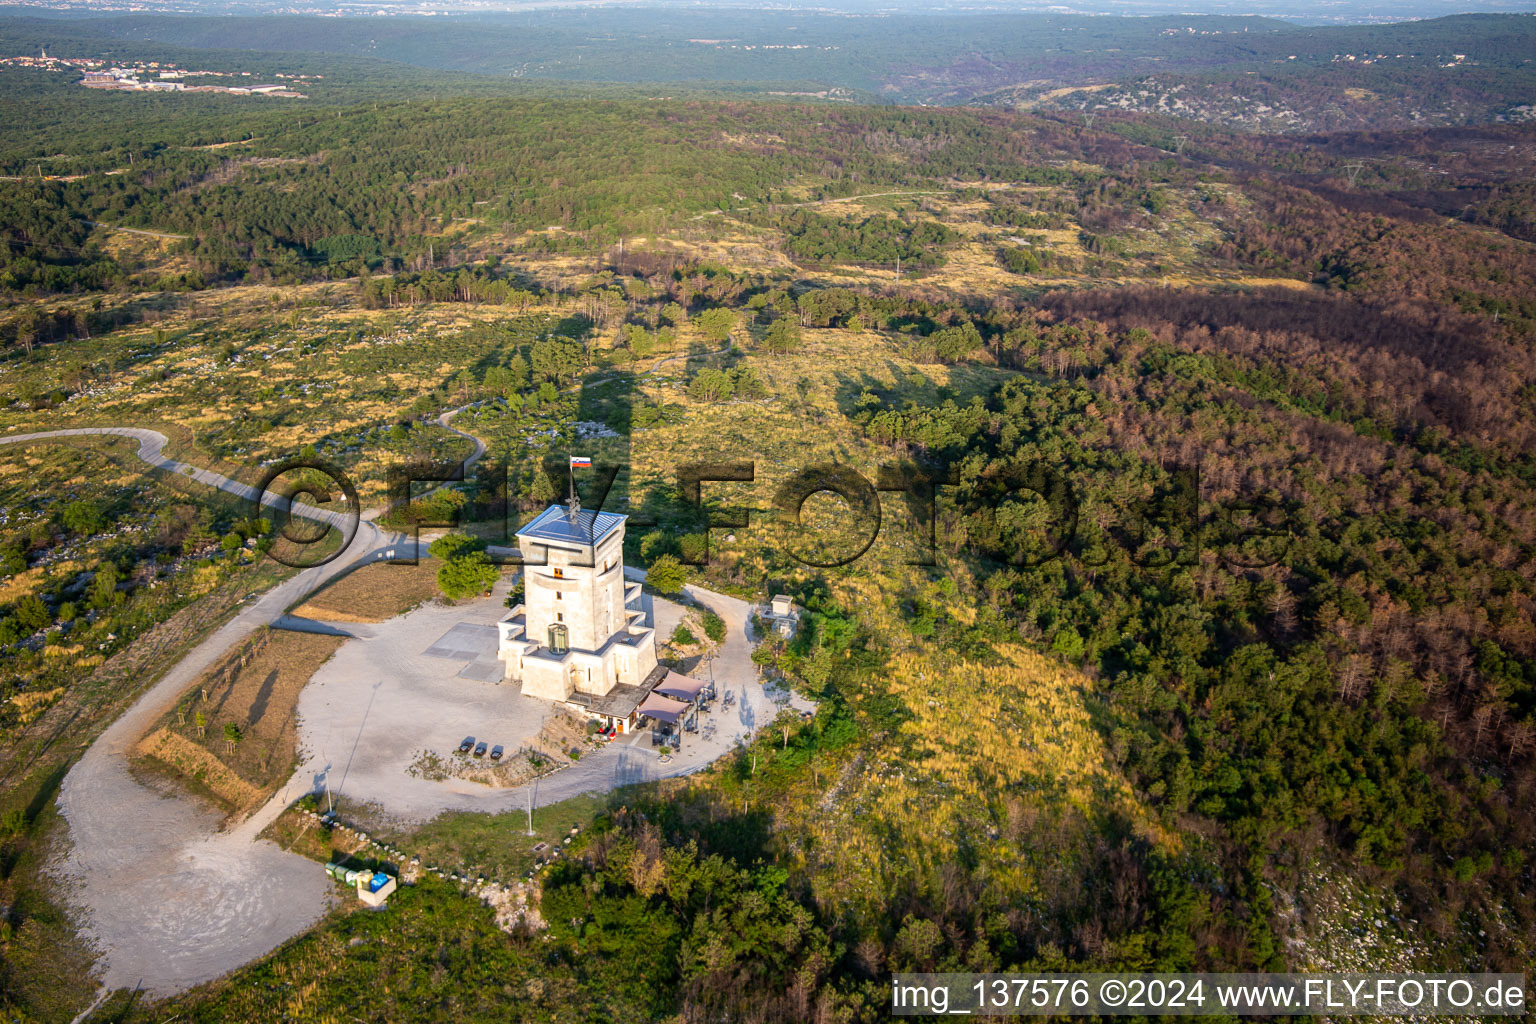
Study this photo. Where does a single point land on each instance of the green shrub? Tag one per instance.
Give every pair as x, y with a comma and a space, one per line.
466, 576
82, 518
667, 574
1021, 260
451, 545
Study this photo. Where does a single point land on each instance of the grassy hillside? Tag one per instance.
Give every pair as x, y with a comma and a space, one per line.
1222, 632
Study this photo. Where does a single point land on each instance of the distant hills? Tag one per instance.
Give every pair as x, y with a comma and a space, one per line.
1245, 71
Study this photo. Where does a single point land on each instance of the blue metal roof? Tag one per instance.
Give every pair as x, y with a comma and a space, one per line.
554, 526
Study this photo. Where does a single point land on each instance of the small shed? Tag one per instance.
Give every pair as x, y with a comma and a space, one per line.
782, 615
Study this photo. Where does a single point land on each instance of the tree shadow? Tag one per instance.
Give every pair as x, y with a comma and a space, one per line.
574, 326
263, 695
605, 405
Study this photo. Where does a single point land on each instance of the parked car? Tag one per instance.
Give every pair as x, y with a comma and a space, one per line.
497, 751
480, 749
467, 745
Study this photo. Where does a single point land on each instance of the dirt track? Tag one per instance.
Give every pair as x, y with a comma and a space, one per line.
378, 701
167, 901
170, 902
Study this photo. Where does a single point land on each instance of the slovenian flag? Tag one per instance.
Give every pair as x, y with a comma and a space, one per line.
580, 462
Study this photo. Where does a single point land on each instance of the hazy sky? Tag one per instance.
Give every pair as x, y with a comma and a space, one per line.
1307, 10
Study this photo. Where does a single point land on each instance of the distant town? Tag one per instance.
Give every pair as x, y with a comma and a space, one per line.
160, 76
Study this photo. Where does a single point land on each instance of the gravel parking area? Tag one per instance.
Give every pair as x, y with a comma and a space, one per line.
411, 684
170, 902
415, 683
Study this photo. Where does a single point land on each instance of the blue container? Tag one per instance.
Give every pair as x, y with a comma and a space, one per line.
378, 881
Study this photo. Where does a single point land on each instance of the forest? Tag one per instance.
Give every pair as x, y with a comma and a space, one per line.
1225, 648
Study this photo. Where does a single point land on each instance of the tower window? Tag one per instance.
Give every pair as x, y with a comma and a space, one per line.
559, 639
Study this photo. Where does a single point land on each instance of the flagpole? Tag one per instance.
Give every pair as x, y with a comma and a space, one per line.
573, 462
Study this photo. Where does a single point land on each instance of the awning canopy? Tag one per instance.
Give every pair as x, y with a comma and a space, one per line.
681, 687
663, 709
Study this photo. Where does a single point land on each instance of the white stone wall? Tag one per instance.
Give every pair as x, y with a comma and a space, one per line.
582, 590
577, 589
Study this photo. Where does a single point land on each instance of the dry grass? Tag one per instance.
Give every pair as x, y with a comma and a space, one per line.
30, 580
1068, 90
800, 424
29, 705
986, 728
184, 757
1000, 761
1174, 249
134, 249
256, 687
376, 592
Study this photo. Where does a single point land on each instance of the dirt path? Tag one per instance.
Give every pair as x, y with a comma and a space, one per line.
166, 235
152, 450
171, 902
445, 421
835, 199
168, 900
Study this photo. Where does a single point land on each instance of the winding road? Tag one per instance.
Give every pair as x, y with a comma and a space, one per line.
167, 899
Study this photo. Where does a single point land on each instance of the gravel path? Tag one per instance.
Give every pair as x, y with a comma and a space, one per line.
733, 672
168, 901
379, 700
446, 422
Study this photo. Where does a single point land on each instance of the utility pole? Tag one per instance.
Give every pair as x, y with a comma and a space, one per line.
898, 265
530, 808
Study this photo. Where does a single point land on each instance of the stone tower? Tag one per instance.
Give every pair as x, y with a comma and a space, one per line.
575, 637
